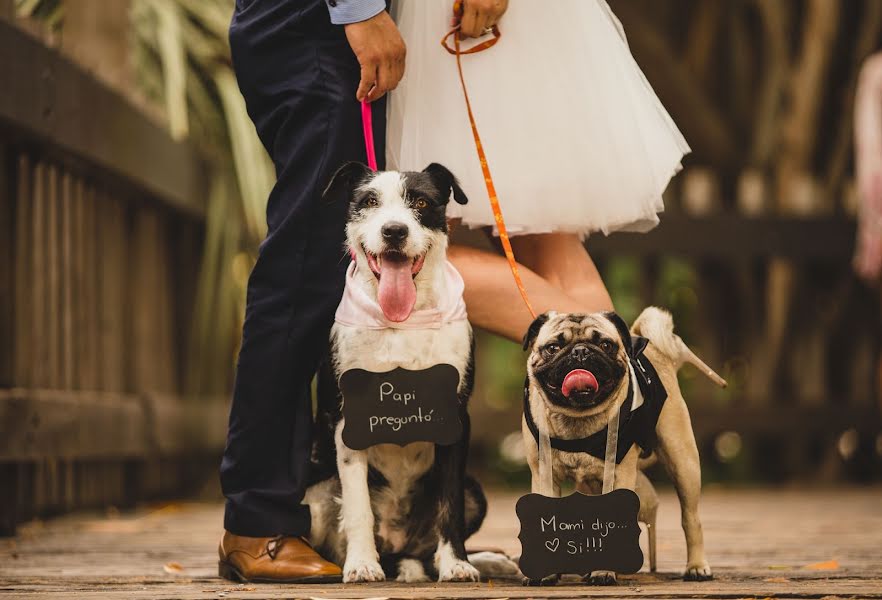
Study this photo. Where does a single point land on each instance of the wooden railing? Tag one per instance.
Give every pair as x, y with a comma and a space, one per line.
101, 228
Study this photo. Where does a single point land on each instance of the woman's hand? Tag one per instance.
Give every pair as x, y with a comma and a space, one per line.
380, 51
480, 15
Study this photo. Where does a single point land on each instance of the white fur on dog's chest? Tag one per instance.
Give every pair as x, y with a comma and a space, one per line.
577, 466
380, 350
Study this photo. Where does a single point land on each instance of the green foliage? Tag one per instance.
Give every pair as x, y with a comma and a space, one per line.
622, 278
50, 12
183, 61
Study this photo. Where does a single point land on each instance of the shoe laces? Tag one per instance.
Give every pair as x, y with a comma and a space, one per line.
274, 545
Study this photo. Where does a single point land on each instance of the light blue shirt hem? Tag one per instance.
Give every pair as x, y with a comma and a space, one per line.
354, 11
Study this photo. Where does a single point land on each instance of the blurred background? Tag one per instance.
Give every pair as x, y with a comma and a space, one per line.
132, 196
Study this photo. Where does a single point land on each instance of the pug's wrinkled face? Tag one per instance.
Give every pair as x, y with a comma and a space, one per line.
577, 359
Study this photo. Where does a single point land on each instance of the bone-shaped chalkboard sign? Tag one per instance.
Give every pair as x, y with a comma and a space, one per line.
400, 406
579, 534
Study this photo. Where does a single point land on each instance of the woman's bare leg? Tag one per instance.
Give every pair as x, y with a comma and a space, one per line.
562, 260
492, 298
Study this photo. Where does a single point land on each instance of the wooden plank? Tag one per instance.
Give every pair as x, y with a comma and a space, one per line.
141, 304
185, 273
9, 486
725, 236
40, 356
104, 268
80, 266
54, 105
762, 416
53, 278
107, 554
67, 257
7, 266
7, 9
734, 238
91, 357
23, 274
113, 257
165, 357
57, 424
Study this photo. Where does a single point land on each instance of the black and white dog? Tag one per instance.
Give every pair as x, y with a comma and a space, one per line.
396, 511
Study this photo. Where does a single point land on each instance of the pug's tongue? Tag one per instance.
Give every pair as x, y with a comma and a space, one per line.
397, 292
579, 380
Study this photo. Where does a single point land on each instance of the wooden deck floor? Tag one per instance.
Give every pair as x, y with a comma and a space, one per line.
761, 543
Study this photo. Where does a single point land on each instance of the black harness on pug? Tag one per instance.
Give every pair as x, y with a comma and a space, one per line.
635, 427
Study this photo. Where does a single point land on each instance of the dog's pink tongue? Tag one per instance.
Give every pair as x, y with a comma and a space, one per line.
397, 293
579, 380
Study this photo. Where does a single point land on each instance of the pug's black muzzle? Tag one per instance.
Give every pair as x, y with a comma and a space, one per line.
580, 354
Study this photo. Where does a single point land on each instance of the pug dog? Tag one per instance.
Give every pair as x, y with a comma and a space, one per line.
580, 369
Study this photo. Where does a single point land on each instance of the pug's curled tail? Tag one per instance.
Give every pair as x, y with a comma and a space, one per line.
657, 325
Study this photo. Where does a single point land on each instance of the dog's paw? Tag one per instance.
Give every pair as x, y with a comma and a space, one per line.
698, 573
495, 565
363, 571
601, 578
411, 570
550, 580
459, 570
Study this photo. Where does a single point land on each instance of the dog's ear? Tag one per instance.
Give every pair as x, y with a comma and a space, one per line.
446, 182
534, 328
623, 330
345, 180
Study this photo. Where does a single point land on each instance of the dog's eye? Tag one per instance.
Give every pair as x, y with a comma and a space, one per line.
551, 348
420, 203
607, 346
372, 202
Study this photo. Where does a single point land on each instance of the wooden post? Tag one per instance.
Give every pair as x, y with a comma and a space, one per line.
23, 374
7, 268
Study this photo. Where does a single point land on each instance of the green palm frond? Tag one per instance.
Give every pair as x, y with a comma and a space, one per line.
187, 41
50, 12
254, 172
169, 41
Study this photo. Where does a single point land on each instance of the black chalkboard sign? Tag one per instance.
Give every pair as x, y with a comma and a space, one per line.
579, 534
400, 406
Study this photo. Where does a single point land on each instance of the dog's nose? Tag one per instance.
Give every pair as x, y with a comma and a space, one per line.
394, 232
580, 351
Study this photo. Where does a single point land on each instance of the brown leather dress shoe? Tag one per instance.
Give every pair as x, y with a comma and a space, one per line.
278, 559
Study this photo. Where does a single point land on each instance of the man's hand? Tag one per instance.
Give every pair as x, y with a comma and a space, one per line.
380, 52
480, 15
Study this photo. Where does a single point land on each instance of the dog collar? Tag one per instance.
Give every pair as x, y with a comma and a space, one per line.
358, 309
637, 420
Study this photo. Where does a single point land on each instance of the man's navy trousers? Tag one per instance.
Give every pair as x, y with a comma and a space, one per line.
298, 76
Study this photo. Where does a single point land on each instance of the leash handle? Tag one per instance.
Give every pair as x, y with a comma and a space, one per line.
367, 123
482, 156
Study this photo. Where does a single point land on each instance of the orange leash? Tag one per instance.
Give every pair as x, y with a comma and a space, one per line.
482, 156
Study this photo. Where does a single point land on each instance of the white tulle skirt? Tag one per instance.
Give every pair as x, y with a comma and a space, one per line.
575, 137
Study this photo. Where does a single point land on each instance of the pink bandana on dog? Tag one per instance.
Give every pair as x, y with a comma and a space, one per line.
357, 309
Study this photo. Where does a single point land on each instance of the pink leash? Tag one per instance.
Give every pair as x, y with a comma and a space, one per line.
367, 124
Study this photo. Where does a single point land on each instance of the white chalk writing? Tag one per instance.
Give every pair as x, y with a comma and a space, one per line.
387, 392
396, 423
